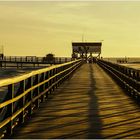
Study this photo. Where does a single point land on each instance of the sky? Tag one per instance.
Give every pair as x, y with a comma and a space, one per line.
36, 28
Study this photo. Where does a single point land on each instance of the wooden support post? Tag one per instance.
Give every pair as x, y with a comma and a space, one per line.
37, 90
53, 80
10, 109
50, 82
22, 102
56, 78
41, 88
46, 84
30, 84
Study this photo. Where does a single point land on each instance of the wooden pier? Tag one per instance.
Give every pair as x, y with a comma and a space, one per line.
89, 104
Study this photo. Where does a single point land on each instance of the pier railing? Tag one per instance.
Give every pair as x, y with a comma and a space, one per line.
30, 61
24, 93
34, 59
128, 78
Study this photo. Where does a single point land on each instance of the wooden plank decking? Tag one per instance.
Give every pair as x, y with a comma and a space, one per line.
89, 105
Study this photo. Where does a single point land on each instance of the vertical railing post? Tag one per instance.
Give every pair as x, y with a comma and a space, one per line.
44, 78
42, 87
61, 74
50, 82
46, 84
37, 90
53, 80
10, 108
22, 101
30, 80
56, 78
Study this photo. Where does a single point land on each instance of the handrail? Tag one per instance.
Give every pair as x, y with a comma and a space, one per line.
34, 88
16, 79
128, 78
30, 89
131, 72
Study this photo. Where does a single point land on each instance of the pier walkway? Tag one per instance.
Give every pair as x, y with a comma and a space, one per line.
88, 105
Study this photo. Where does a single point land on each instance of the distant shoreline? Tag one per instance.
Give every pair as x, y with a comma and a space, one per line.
134, 62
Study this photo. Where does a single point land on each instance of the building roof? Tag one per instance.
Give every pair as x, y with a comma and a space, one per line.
86, 43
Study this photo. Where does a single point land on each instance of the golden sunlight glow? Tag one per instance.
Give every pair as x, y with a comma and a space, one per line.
38, 28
